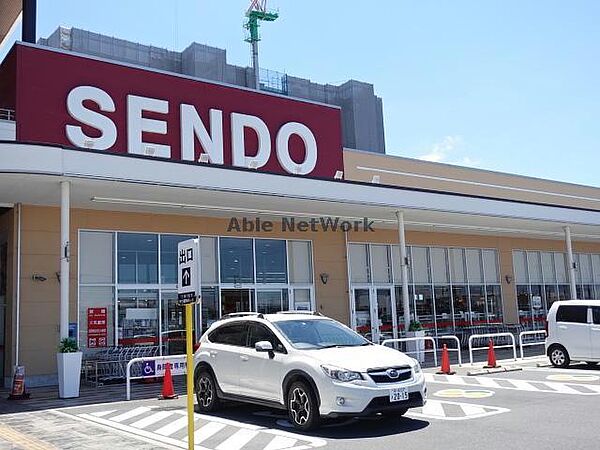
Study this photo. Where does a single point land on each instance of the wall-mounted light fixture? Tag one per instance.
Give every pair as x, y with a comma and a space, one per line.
508, 279
324, 277
38, 277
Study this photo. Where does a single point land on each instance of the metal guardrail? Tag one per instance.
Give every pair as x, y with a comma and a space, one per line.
7, 114
528, 344
490, 336
128, 376
414, 339
457, 349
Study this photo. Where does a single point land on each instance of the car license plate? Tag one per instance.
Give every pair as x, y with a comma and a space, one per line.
398, 394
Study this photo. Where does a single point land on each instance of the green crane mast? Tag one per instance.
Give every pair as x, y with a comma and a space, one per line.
256, 13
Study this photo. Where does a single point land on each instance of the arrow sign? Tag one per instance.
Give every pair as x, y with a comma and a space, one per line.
188, 271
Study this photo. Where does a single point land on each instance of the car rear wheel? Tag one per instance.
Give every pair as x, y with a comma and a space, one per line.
206, 391
559, 356
302, 406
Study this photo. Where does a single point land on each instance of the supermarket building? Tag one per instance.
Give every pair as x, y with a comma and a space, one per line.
106, 166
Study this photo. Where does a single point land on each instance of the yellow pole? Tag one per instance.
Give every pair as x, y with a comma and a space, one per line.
189, 373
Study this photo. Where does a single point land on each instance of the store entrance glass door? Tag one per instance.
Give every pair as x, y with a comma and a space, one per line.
374, 315
236, 300
173, 324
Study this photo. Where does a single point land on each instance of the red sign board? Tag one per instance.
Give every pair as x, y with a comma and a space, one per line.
97, 327
78, 101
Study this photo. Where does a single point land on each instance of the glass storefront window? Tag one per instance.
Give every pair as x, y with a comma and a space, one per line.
443, 308
359, 263
399, 308
137, 317
474, 272
420, 265
301, 299
137, 258
237, 262
210, 307
381, 264
300, 262
439, 265
490, 266
168, 257
477, 294
551, 295
524, 304
494, 303
271, 261
423, 297
208, 255
460, 296
270, 302
96, 264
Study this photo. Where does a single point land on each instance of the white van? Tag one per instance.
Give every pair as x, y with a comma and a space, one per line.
573, 332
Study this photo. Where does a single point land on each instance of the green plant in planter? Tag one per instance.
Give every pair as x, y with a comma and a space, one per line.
415, 325
68, 345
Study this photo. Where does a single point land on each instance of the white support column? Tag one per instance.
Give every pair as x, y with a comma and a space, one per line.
403, 269
571, 263
65, 248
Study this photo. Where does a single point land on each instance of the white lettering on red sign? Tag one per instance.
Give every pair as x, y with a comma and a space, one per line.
192, 128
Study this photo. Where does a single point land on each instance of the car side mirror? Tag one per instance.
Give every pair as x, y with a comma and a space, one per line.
263, 346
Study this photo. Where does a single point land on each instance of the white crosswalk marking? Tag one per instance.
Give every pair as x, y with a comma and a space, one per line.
173, 427
235, 435
516, 384
434, 408
205, 432
149, 420
281, 443
238, 440
130, 414
103, 413
522, 385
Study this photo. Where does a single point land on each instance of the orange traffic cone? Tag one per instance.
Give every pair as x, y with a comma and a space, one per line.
445, 369
168, 392
491, 363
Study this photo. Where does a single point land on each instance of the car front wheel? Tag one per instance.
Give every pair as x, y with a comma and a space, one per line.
559, 357
206, 392
302, 406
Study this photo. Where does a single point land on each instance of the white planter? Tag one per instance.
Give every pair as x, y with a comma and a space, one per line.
416, 349
69, 374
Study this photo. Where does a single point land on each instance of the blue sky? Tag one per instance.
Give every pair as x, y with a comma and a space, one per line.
508, 85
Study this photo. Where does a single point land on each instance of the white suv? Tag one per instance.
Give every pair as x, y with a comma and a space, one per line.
573, 330
312, 366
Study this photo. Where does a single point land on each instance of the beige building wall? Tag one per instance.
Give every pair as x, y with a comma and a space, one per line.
40, 255
414, 173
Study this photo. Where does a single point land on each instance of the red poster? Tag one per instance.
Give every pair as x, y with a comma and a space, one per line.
97, 327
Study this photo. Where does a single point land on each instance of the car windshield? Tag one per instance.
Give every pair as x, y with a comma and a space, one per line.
317, 334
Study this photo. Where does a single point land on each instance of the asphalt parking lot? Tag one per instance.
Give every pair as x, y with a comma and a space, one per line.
535, 407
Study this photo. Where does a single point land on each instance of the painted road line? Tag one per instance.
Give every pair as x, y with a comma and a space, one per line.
129, 414
172, 427
280, 443
436, 409
237, 440
152, 419
518, 385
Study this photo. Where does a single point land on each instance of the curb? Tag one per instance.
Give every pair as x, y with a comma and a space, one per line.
496, 370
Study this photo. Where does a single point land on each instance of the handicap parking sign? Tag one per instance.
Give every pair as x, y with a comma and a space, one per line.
148, 369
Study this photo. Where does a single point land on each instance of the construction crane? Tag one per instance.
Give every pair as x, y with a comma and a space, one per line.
257, 12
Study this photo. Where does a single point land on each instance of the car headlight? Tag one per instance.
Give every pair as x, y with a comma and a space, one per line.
417, 367
335, 373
